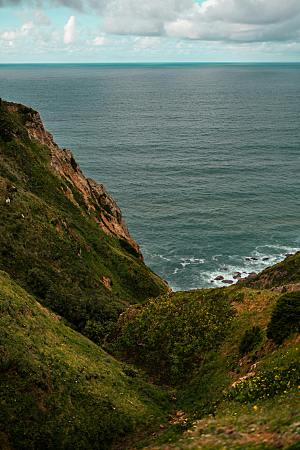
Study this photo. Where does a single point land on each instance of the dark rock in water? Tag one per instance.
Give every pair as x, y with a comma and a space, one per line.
288, 254
236, 275
227, 281
266, 258
212, 281
219, 278
254, 258
248, 258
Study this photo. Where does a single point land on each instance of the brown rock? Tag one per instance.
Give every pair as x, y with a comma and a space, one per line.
227, 281
95, 196
106, 282
236, 275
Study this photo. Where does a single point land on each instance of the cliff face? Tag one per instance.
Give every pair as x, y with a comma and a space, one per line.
107, 213
62, 236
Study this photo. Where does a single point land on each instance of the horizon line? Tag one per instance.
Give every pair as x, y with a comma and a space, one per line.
147, 62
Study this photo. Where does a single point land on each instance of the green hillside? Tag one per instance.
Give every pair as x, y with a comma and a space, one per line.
204, 369
58, 390
52, 235
233, 357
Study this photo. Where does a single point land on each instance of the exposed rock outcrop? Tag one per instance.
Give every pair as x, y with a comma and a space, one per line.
106, 211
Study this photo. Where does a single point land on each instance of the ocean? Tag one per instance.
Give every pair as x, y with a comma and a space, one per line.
203, 159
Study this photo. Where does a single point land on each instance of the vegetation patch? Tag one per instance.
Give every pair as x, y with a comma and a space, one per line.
285, 319
58, 389
171, 335
251, 339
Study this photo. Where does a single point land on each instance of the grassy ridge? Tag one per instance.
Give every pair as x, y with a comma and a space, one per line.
57, 388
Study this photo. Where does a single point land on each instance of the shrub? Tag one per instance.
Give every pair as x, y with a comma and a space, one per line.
285, 319
99, 332
171, 335
250, 340
39, 282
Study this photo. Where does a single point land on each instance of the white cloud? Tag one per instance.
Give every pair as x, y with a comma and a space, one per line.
227, 21
98, 41
215, 20
140, 17
40, 18
147, 42
239, 21
18, 33
69, 30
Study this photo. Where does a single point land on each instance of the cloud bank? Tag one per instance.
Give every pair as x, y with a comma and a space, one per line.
211, 20
239, 21
227, 21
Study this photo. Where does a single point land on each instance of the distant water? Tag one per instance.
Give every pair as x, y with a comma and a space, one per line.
204, 159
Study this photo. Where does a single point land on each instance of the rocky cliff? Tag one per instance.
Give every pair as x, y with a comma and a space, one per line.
107, 213
62, 236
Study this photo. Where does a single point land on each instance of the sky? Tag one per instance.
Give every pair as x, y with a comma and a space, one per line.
103, 31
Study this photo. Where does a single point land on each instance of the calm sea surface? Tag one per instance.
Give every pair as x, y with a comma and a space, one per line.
204, 160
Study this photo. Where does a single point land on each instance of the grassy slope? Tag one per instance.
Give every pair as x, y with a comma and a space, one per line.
54, 248
284, 273
57, 388
71, 394
261, 411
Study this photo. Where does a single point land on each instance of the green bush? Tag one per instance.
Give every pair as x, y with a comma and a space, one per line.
250, 340
171, 335
285, 319
39, 282
99, 332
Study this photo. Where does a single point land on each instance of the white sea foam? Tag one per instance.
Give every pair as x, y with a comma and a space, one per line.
257, 261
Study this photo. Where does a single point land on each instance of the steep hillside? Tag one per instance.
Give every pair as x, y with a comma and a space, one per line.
58, 390
233, 357
62, 236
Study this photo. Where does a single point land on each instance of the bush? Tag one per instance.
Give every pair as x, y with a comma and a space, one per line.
285, 319
250, 340
39, 282
99, 332
171, 335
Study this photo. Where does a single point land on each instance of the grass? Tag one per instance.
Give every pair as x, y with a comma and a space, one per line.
58, 389
225, 361
51, 243
266, 425
228, 399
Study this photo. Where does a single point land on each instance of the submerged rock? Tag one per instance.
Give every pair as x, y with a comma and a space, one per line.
227, 281
237, 275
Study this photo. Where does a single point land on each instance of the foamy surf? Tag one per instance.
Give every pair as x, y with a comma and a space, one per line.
195, 272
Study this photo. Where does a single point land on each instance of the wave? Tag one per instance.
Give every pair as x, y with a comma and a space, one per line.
195, 272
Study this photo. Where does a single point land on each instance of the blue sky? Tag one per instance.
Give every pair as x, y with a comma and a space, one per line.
139, 31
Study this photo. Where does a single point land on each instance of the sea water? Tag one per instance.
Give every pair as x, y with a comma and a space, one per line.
203, 159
